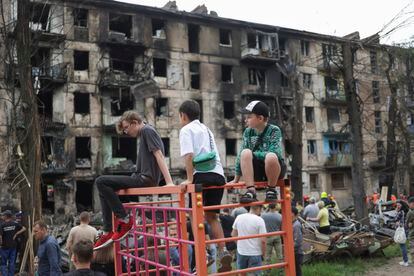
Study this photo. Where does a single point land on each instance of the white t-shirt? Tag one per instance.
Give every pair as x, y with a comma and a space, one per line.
194, 139
249, 224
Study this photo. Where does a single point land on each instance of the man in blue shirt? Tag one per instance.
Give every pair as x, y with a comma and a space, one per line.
48, 253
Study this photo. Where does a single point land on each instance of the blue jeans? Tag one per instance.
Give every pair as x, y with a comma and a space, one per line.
213, 252
403, 247
249, 261
175, 256
8, 255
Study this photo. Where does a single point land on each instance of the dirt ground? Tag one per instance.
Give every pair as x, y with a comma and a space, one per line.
392, 268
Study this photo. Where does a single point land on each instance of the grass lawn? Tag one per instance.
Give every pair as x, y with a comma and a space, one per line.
351, 266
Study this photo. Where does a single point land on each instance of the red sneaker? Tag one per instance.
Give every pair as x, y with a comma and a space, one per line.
122, 230
103, 241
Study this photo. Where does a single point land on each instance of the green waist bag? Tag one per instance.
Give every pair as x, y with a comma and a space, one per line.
204, 162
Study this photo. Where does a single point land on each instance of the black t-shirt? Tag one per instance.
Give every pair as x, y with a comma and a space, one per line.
7, 232
227, 222
84, 272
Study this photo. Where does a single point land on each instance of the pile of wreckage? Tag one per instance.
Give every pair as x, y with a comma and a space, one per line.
59, 227
348, 238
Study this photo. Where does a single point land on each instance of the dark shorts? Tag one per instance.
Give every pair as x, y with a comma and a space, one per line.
213, 196
259, 169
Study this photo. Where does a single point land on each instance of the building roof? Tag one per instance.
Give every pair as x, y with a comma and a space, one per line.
212, 18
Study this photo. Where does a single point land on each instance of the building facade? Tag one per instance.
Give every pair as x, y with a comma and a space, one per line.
96, 59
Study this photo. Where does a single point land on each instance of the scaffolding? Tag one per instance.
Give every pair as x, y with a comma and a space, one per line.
160, 231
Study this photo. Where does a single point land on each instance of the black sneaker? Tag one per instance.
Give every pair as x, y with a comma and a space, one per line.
248, 197
271, 195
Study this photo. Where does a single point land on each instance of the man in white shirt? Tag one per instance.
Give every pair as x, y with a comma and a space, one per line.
195, 139
311, 211
250, 251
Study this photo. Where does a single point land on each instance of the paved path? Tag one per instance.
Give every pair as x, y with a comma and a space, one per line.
392, 268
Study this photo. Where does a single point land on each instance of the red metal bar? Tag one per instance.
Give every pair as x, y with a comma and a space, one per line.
270, 234
235, 205
251, 269
198, 230
288, 248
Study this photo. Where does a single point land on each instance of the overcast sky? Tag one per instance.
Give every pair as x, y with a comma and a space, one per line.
321, 16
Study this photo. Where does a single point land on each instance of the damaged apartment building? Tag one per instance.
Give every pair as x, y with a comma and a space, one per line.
100, 58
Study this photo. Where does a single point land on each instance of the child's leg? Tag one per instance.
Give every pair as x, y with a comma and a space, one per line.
272, 168
246, 164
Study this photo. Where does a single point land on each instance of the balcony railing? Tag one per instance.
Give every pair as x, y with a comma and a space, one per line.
55, 73
339, 160
115, 78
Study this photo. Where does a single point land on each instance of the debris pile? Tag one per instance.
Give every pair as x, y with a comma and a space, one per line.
348, 238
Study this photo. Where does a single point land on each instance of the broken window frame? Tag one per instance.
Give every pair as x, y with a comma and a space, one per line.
123, 61
78, 106
225, 37
157, 63
312, 147
307, 80
373, 57
45, 103
193, 36
380, 151
123, 100
83, 152
77, 57
331, 87
229, 110
257, 77
226, 73
129, 148
118, 17
231, 147
39, 16
284, 81
333, 115
338, 181
304, 47
338, 147
41, 59
378, 121
194, 68
161, 107
310, 114
158, 28
313, 181
376, 97
79, 19
329, 53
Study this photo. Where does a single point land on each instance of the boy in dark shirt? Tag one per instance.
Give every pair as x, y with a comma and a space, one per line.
150, 167
82, 254
9, 231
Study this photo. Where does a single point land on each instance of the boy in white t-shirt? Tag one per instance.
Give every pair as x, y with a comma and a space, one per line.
196, 138
250, 252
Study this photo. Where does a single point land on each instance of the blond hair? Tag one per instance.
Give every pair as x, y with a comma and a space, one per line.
128, 116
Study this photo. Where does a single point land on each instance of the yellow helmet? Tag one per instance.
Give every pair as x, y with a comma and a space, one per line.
324, 195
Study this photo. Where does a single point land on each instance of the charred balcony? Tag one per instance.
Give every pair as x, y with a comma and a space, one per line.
260, 47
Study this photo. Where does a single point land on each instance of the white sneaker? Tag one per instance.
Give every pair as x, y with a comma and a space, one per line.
403, 263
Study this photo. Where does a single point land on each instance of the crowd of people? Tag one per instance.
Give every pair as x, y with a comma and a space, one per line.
260, 159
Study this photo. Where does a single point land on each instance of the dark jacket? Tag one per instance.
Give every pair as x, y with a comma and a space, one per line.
84, 272
49, 257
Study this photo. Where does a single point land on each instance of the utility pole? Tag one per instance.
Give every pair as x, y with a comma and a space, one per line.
354, 114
